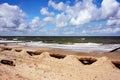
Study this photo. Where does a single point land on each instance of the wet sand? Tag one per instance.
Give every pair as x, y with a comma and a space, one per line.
36, 63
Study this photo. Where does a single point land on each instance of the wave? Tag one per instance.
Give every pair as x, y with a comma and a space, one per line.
86, 47
9, 41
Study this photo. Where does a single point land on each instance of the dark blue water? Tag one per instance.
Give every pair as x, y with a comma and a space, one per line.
67, 39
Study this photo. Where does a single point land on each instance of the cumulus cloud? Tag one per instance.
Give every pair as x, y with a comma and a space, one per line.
59, 6
105, 31
83, 12
69, 31
36, 23
12, 17
22, 26
48, 19
61, 20
110, 30
118, 14
109, 8
82, 18
44, 11
101, 29
113, 22
80, 13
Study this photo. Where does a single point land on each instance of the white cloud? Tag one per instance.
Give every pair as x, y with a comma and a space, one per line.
80, 13
36, 23
83, 12
61, 20
118, 14
59, 6
82, 18
86, 11
109, 8
101, 29
44, 11
69, 31
109, 30
50, 32
48, 19
22, 26
11, 16
84, 32
114, 22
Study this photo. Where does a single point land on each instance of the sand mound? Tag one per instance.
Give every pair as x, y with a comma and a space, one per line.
72, 60
43, 55
28, 64
104, 62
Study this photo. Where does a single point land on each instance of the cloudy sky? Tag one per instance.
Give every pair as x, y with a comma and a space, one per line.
59, 17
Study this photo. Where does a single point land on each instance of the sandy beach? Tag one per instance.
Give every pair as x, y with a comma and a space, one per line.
39, 63
59, 39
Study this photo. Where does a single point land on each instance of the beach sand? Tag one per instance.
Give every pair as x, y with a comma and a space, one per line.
39, 63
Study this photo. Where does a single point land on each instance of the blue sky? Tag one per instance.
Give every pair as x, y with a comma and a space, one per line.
60, 17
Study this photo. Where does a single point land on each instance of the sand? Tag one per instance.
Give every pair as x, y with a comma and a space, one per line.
35, 63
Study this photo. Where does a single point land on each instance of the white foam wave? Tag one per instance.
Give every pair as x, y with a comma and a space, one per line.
86, 47
9, 41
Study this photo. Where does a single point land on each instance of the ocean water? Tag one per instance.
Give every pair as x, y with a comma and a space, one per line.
85, 44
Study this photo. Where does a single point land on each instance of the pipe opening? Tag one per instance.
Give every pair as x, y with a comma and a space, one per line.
58, 56
18, 50
7, 62
7, 48
32, 53
87, 61
117, 64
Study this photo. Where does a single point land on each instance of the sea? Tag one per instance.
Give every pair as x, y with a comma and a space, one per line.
73, 43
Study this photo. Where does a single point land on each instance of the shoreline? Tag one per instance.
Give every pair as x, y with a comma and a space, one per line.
112, 55
84, 47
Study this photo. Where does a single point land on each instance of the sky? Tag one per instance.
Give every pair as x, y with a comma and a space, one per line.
59, 17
